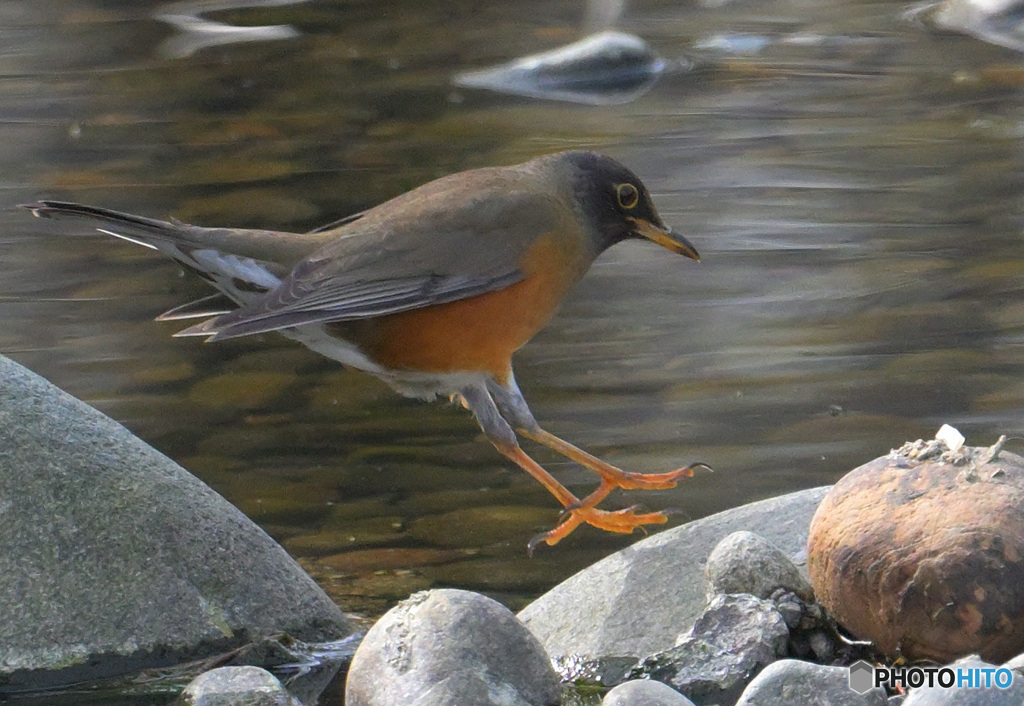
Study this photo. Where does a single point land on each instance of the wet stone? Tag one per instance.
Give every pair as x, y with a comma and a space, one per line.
607, 671
236, 686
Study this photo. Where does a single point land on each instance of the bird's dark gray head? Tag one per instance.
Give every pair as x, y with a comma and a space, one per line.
616, 204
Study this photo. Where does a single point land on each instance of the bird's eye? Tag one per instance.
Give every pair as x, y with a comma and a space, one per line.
628, 195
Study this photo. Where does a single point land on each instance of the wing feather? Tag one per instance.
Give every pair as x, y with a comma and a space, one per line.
429, 246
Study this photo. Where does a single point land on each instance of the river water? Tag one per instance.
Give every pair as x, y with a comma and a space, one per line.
851, 176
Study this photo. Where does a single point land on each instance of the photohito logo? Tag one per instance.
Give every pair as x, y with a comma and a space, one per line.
864, 676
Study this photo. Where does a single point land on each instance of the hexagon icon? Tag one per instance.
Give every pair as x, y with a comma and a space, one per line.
862, 676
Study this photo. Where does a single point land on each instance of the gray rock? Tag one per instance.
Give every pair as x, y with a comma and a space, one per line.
644, 692
446, 647
236, 686
603, 671
604, 68
822, 646
597, 611
735, 638
790, 681
790, 606
745, 562
965, 696
116, 559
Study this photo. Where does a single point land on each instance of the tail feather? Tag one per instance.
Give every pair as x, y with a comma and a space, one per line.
213, 305
266, 246
243, 264
143, 228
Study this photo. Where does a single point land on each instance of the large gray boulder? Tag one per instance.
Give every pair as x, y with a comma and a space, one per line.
115, 558
637, 601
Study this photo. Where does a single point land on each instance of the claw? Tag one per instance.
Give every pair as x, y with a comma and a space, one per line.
534, 541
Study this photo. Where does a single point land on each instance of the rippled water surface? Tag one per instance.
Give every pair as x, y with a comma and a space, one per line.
851, 178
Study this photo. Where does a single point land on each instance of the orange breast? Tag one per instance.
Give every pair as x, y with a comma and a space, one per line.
479, 333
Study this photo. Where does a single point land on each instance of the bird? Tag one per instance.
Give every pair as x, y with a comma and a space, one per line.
432, 292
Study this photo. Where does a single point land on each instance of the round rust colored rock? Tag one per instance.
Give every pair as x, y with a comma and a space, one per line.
922, 552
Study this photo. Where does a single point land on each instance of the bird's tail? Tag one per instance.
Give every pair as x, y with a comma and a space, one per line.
137, 229
240, 263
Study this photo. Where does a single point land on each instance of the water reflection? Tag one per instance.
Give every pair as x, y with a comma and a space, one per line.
854, 187
196, 32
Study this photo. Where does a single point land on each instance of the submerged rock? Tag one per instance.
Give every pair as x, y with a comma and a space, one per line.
236, 686
999, 22
604, 68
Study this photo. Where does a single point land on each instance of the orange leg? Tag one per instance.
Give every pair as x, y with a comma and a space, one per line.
494, 413
616, 477
577, 511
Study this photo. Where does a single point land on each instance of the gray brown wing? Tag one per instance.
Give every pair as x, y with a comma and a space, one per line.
430, 246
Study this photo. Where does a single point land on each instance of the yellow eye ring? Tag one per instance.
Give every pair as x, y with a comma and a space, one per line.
628, 195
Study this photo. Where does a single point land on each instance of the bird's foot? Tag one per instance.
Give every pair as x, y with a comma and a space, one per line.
647, 481
624, 521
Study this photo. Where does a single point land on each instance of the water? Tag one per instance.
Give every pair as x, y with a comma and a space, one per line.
851, 178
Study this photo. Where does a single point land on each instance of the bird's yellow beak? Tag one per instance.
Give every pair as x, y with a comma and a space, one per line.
664, 237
